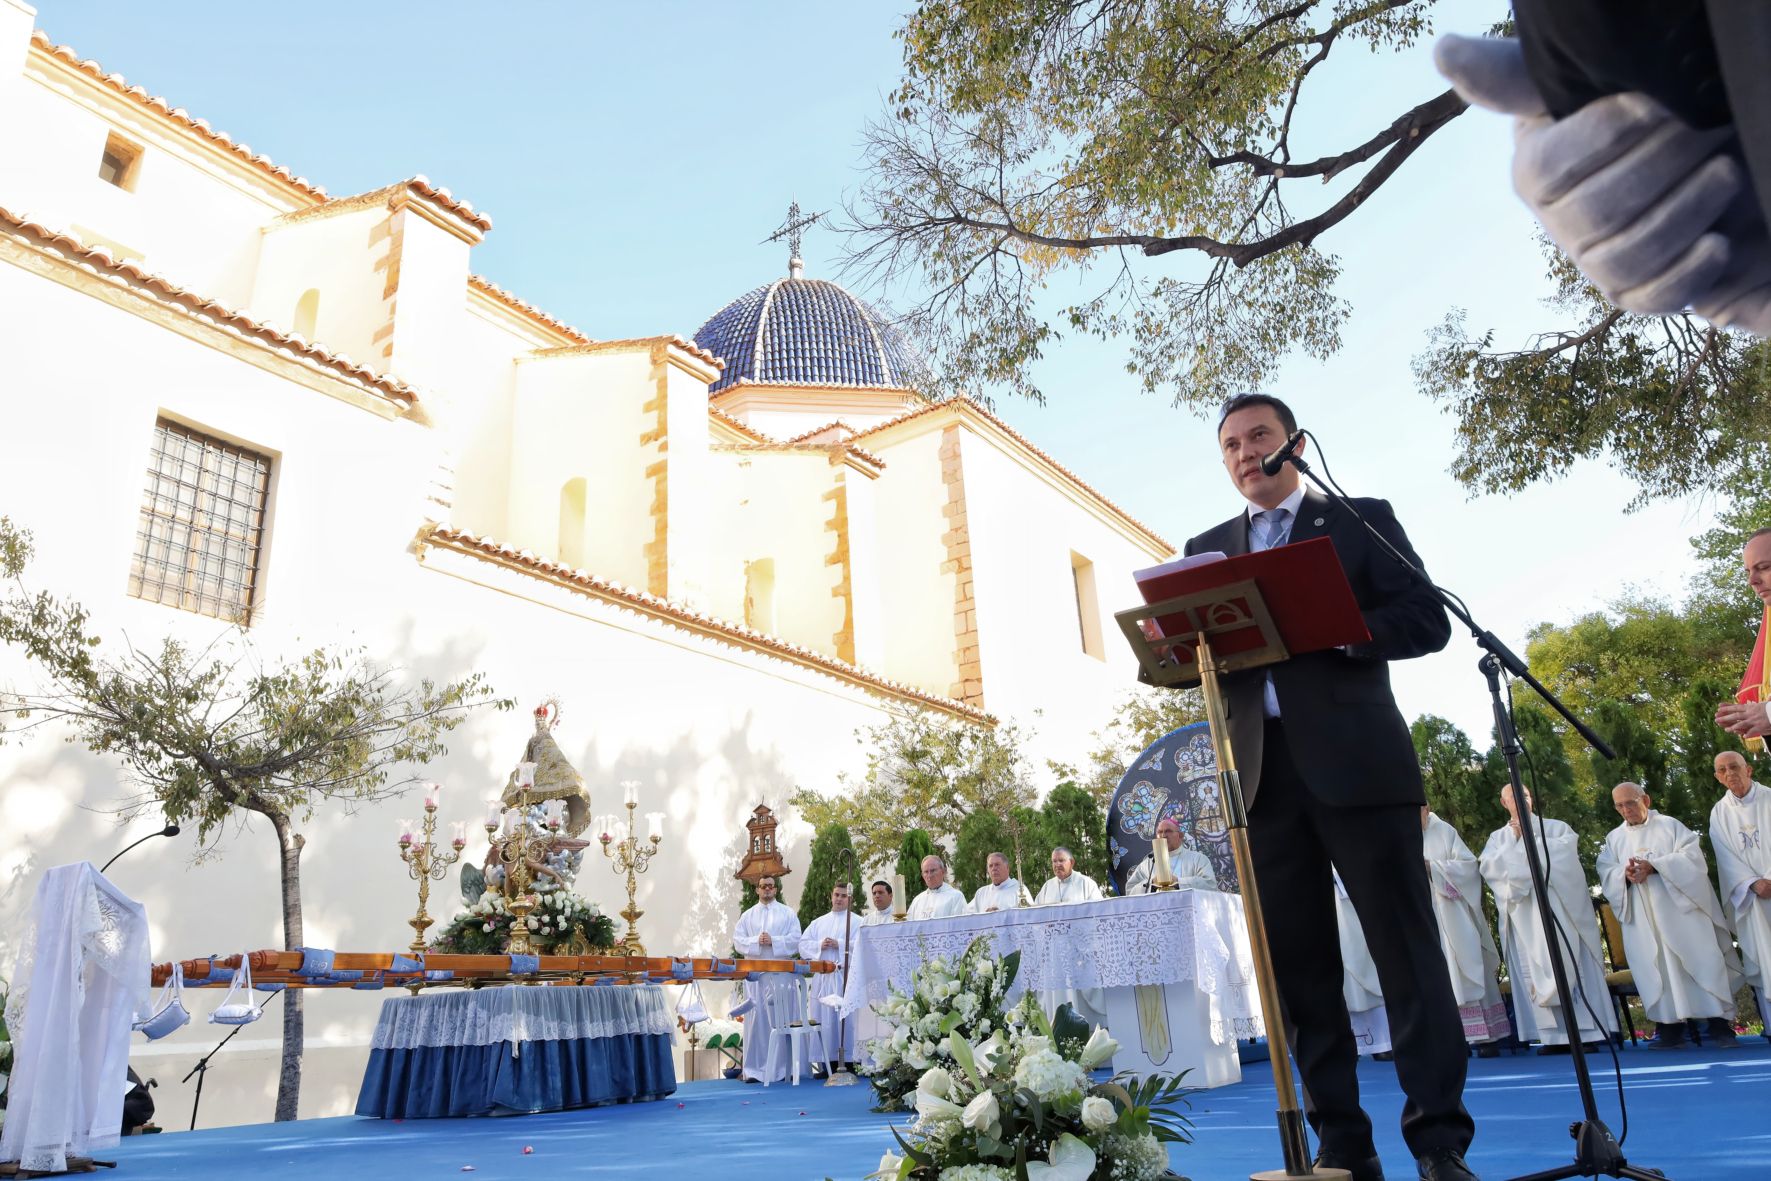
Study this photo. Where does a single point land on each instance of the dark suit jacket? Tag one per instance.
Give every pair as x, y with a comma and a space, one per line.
1346, 735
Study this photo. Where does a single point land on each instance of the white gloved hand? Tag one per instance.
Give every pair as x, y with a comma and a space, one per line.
1658, 215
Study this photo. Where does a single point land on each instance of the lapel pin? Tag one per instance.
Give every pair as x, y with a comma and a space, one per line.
1319, 520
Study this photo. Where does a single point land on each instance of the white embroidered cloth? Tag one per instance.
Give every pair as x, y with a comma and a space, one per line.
1197, 936
82, 979
519, 1013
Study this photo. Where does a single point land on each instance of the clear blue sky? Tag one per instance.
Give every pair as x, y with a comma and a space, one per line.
633, 156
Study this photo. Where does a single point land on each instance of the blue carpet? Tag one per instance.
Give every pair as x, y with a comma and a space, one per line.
1698, 1115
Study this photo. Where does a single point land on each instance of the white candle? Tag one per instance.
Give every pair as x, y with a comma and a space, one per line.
897, 893
525, 775
431, 793
1164, 872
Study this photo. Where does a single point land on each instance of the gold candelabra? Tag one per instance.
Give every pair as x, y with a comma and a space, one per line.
630, 857
513, 855
425, 862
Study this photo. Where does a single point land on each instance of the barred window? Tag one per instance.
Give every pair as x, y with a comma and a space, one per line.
202, 521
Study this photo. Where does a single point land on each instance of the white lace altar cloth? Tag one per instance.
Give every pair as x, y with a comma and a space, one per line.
1181, 936
520, 1013
82, 978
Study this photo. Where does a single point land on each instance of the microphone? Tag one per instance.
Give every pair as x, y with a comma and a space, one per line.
1271, 464
171, 830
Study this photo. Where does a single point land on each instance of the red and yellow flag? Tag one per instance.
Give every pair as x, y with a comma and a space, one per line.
1755, 685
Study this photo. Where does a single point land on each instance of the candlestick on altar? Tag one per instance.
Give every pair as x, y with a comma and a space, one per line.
899, 913
1162, 874
630, 856
425, 862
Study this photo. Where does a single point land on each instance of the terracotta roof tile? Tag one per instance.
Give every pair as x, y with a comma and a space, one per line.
720, 416
153, 102
683, 616
966, 405
515, 303
421, 185
127, 273
839, 447
838, 424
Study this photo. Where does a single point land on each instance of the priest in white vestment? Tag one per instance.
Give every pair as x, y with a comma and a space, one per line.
1464, 937
830, 938
881, 893
1680, 952
1192, 869
767, 931
1359, 984
1740, 835
866, 1022
1065, 884
1001, 891
938, 900
1536, 1010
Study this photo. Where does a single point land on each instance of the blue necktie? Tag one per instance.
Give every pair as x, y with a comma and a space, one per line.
1271, 527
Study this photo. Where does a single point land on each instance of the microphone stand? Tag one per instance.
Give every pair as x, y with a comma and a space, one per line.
1596, 1151
171, 830
201, 1069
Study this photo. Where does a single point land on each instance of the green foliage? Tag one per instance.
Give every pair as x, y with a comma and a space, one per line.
826, 872
916, 845
1073, 819
1031, 835
982, 834
1459, 788
748, 897
924, 770
1140, 719
484, 928
1027, 137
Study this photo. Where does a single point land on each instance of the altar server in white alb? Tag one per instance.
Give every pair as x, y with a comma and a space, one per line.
938, 899
1001, 892
1740, 834
830, 938
881, 893
767, 931
1682, 957
1464, 937
1508, 874
1359, 984
1065, 884
1192, 869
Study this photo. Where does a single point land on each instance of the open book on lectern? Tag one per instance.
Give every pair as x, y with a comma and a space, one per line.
1298, 593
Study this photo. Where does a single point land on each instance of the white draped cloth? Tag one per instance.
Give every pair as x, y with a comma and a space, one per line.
1456, 882
942, 902
1078, 887
991, 896
782, 927
1740, 834
844, 928
1359, 983
1681, 954
1508, 874
1192, 870
82, 979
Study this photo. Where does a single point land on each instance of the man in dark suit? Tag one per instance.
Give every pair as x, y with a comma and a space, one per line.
1329, 774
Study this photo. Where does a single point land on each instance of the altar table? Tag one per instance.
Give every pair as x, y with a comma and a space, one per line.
1175, 970
518, 1049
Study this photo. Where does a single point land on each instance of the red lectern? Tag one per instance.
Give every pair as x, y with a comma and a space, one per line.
1204, 619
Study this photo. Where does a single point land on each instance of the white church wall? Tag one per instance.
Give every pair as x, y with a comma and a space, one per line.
917, 629
335, 254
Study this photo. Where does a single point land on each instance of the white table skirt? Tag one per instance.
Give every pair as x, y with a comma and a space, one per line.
519, 1013
1182, 936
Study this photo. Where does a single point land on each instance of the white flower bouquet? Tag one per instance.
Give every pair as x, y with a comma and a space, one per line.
1018, 1101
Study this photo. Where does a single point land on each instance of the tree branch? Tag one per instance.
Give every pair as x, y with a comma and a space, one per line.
1434, 112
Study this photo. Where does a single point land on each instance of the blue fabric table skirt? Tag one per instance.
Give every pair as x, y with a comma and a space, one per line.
434, 1082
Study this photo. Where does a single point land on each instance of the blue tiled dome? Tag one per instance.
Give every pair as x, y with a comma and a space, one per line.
807, 332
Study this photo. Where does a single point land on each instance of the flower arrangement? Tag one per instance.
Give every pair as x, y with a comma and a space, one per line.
964, 997
484, 927
1019, 1102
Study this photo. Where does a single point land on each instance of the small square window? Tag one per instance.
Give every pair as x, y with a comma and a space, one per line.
120, 162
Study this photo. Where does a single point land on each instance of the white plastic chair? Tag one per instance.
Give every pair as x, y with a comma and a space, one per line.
785, 1002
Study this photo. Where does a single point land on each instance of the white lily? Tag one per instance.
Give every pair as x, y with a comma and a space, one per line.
888, 1168
1070, 1160
1100, 1047
987, 1052
933, 1107
983, 1113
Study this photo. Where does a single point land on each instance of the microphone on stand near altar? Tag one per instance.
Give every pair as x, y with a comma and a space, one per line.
171, 830
1271, 464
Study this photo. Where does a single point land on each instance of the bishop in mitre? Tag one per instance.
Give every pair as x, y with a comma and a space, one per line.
938, 899
1740, 834
1000, 891
830, 937
1508, 874
1456, 882
1360, 989
1190, 868
1680, 952
767, 931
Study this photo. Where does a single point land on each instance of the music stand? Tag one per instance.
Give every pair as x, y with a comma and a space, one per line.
1244, 613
